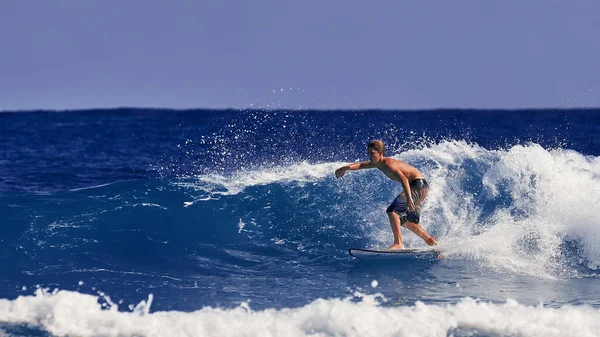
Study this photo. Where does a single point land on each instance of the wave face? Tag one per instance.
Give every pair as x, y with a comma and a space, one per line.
193, 220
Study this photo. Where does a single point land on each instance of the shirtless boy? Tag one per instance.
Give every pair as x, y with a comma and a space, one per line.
406, 208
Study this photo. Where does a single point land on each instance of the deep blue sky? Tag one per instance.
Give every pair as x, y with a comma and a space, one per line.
69, 54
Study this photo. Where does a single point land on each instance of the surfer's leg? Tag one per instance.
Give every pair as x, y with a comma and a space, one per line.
398, 205
417, 229
413, 217
395, 223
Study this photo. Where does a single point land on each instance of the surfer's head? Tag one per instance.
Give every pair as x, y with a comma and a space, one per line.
376, 150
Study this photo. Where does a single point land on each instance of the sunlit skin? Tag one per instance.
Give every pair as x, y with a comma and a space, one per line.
398, 171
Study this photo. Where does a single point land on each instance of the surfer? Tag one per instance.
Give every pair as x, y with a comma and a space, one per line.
405, 210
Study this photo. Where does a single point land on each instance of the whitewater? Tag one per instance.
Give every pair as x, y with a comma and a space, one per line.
222, 236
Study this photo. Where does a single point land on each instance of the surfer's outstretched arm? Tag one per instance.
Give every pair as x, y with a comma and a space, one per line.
353, 167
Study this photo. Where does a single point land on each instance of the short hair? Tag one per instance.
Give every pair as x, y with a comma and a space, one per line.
378, 146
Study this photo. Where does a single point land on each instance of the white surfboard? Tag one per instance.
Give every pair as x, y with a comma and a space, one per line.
364, 253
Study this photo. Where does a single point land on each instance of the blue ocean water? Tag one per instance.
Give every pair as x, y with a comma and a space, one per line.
149, 222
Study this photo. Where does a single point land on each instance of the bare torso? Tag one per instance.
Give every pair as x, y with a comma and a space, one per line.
389, 165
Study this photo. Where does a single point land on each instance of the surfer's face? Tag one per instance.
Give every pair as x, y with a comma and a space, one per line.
374, 155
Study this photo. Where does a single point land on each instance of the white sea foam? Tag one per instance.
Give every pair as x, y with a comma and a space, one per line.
303, 172
66, 313
214, 185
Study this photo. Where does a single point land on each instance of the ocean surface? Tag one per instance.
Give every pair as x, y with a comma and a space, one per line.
150, 222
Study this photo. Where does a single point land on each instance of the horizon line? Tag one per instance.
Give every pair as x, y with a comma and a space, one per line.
252, 109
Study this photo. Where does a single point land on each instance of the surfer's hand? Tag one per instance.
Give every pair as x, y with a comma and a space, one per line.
410, 205
340, 172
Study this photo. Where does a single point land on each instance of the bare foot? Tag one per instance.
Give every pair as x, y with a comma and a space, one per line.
395, 247
431, 241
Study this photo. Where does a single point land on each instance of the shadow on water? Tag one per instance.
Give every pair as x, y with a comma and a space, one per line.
448, 280
398, 279
21, 330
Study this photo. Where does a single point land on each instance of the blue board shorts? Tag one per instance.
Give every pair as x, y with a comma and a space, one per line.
418, 190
